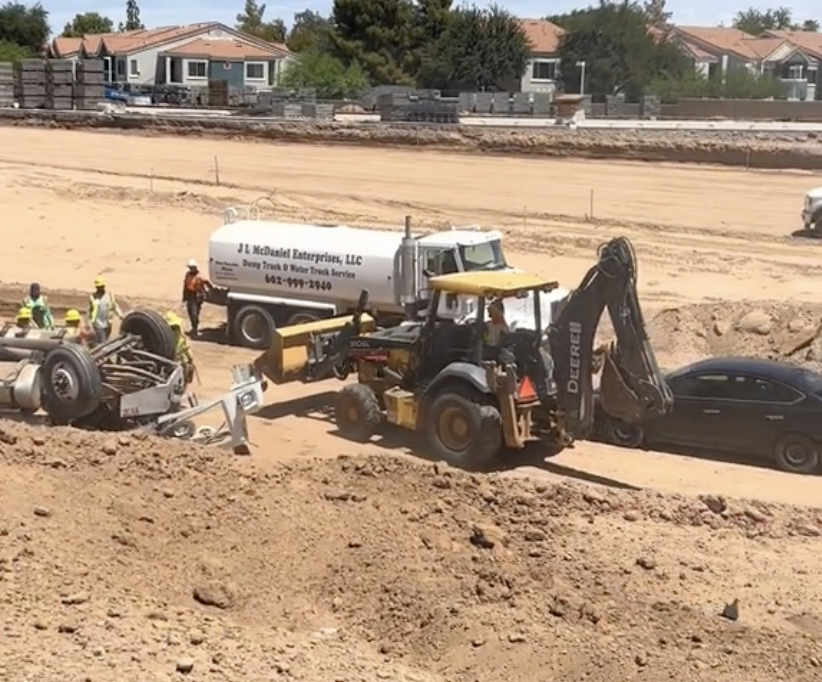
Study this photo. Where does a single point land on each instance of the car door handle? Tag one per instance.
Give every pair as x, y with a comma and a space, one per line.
710, 411
774, 417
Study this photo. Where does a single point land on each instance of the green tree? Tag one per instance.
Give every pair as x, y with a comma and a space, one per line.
756, 22
325, 73
380, 35
24, 26
251, 21
311, 31
480, 47
659, 18
132, 22
86, 24
12, 52
619, 52
738, 84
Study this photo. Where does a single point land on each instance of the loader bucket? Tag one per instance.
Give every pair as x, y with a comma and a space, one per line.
293, 348
615, 396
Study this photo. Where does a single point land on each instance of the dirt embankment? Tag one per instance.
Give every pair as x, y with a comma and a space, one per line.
748, 149
147, 559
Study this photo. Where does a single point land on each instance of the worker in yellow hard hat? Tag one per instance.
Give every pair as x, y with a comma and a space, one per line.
22, 320
102, 308
183, 355
73, 323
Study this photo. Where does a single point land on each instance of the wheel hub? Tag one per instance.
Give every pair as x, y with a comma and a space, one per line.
65, 383
795, 454
454, 430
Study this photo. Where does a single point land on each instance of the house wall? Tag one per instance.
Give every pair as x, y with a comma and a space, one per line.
528, 83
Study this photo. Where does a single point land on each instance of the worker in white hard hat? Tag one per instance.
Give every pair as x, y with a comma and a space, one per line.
183, 353
102, 309
194, 293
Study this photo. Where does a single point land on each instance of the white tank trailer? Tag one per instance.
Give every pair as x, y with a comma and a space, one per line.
812, 210
274, 274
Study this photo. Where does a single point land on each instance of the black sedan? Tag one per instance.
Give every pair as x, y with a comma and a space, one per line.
757, 408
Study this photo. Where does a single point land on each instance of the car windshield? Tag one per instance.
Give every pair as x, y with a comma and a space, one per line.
483, 256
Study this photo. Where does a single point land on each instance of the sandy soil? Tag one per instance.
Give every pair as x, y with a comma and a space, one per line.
369, 563
748, 148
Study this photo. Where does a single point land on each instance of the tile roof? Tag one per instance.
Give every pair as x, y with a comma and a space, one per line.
125, 41
225, 49
543, 36
729, 40
804, 40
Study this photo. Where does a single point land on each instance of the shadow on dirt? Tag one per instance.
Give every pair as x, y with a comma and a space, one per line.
807, 234
320, 407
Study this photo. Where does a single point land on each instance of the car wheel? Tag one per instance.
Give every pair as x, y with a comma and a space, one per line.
623, 434
796, 453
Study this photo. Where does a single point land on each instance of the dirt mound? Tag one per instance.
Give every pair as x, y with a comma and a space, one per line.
763, 329
732, 148
146, 557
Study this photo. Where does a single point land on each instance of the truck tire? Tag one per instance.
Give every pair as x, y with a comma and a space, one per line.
72, 384
302, 318
463, 431
253, 327
357, 412
157, 337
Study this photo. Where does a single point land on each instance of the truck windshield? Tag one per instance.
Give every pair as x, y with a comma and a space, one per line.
484, 256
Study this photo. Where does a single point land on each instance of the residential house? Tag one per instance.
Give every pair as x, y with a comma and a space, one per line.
798, 61
542, 72
184, 55
717, 50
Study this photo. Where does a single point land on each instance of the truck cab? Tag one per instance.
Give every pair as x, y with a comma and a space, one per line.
812, 210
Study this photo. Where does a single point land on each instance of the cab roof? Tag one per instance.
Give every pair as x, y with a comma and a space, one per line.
490, 283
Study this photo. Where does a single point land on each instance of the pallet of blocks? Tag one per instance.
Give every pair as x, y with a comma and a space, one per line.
60, 84
218, 93
6, 85
89, 85
30, 75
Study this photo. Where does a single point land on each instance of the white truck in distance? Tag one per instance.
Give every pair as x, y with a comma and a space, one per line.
274, 274
812, 210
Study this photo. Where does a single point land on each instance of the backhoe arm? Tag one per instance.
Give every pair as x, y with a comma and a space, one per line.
631, 387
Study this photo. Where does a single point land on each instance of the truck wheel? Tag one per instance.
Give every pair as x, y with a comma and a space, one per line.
157, 337
796, 453
357, 412
72, 384
302, 318
253, 327
463, 431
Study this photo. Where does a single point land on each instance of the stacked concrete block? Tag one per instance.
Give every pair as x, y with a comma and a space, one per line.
651, 107
318, 111
543, 104
484, 103
6, 84
521, 105
89, 84
59, 84
30, 75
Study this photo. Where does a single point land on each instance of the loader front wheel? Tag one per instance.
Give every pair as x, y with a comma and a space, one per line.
463, 432
357, 412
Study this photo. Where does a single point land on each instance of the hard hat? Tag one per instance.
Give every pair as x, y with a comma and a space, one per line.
173, 319
72, 315
23, 314
99, 282
193, 264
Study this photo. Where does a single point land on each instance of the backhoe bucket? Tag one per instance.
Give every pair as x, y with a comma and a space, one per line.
294, 348
616, 397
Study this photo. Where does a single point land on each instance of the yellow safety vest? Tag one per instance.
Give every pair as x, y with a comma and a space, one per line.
94, 304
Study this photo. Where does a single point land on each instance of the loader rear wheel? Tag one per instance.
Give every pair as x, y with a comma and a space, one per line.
157, 337
72, 384
463, 431
357, 412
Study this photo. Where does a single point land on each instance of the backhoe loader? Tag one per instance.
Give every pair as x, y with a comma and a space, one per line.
472, 399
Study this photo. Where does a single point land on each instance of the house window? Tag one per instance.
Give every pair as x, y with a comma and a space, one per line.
120, 66
197, 69
133, 67
544, 70
255, 71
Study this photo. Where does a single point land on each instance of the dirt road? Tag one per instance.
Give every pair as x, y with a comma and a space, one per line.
708, 241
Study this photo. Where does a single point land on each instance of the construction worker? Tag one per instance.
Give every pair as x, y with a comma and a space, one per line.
183, 355
497, 326
23, 320
73, 323
194, 292
102, 308
39, 306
